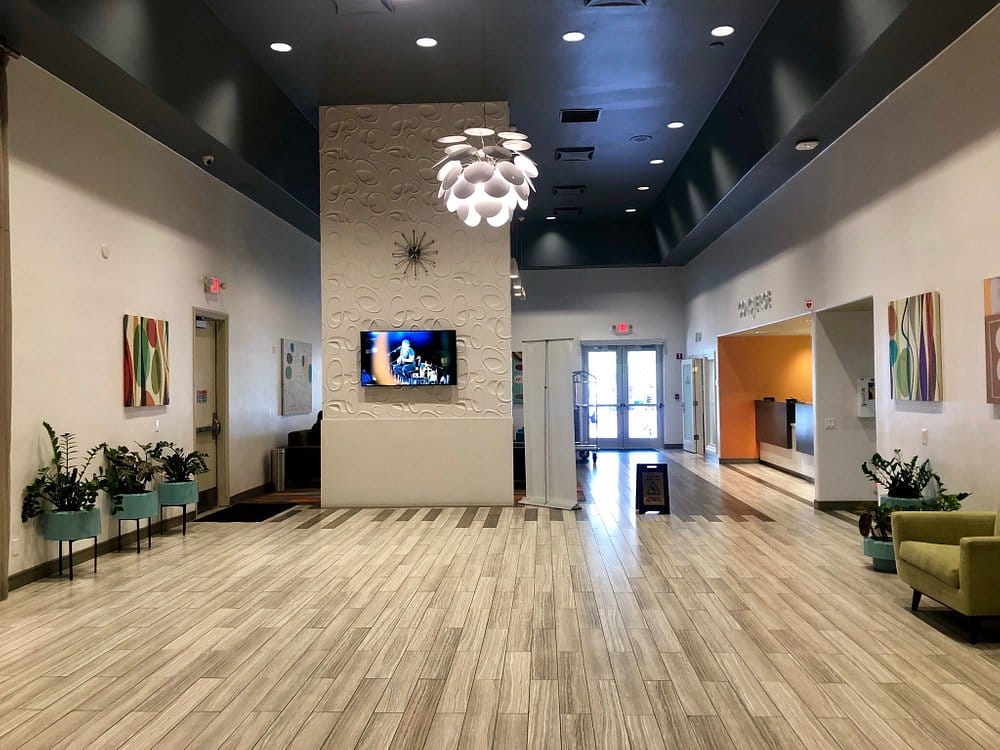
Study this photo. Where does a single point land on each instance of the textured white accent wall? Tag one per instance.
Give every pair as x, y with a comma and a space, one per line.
377, 169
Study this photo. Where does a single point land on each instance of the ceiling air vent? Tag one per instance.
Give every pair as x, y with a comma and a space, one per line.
568, 189
612, 3
569, 212
579, 115
575, 153
352, 7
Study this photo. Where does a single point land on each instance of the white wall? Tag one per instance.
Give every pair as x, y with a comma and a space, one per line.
843, 351
81, 178
905, 202
410, 446
585, 303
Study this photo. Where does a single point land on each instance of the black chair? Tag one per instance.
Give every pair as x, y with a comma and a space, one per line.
303, 458
520, 480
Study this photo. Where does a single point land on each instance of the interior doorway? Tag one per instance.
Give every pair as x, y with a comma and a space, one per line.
692, 405
211, 407
710, 395
627, 398
765, 396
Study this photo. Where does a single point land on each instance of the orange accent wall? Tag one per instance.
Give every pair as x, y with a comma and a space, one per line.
751, 367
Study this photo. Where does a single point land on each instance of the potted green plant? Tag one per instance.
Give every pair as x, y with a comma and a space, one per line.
65, 491
127, 478
127, 481
179, 468
875, 525
906, 483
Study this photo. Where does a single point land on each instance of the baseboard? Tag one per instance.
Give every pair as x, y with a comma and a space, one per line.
844, 504
672, 446
739, 460
251, 494
784, 470
86, 557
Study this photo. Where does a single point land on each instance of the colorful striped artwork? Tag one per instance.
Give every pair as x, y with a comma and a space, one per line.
915, 364
147, 364
991, 301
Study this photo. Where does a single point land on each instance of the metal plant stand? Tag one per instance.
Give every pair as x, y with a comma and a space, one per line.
70, 541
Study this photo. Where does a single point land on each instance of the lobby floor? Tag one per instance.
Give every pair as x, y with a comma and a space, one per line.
742, 620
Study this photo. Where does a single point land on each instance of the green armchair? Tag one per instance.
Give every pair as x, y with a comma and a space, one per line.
953, 558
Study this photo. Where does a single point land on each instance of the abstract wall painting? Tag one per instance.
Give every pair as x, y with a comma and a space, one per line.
147, 361
991, 299
296, 377
517, 373
915, 363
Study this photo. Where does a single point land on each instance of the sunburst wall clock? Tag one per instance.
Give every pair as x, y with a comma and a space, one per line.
414, 254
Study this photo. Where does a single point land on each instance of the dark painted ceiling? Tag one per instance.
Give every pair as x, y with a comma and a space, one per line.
642, 66
199, 76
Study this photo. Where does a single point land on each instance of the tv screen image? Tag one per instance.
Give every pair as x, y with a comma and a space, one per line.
390, 358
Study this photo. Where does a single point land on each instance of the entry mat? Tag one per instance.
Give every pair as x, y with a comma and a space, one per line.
246, 513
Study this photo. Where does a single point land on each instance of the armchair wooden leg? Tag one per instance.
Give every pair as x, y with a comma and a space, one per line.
973, 630
916, 600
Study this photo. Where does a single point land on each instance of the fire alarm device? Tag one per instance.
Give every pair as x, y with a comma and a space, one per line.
214, 285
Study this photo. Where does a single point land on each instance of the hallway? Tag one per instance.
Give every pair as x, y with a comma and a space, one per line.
742, 620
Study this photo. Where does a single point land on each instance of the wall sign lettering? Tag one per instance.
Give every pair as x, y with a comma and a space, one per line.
749, 307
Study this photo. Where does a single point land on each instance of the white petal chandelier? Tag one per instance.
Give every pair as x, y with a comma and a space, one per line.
487, 182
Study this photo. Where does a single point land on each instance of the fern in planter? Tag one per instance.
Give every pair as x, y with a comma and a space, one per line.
176, 464
63, 484
129, 472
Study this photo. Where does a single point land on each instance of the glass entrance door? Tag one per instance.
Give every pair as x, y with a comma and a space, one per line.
627, 398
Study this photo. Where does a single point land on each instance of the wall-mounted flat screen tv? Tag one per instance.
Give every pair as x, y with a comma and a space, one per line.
390, 358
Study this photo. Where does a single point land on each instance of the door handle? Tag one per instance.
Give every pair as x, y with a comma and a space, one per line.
215, 428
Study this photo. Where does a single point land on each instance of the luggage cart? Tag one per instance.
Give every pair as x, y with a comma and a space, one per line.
584, 417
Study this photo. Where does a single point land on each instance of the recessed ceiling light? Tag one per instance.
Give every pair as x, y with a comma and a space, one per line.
675, 124
281, 46
656, 161
574, 36
643, 187
641, 138
720, 31
550, 218
631, 210
426, 41
807, 144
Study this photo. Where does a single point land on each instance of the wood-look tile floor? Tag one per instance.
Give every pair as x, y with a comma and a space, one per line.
480, 628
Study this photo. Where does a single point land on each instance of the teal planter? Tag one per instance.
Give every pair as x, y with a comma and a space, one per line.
134, 507
902, 503
178, 493
882, 554
69, 525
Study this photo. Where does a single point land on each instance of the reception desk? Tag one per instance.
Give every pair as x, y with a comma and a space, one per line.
786, 436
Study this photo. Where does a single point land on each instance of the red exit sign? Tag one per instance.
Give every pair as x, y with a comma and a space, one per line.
622, 329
